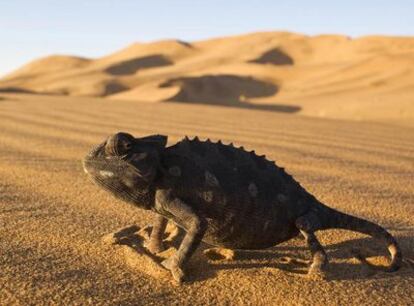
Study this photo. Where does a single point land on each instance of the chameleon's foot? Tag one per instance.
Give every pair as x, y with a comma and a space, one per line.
316, 274
154, 246
317, 271
307, 225
176, 271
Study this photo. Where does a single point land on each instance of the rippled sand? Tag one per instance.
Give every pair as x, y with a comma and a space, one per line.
53, 218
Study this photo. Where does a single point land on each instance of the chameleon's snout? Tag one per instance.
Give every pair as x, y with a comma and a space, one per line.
89, 161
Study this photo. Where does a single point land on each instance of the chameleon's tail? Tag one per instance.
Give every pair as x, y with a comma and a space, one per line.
336, 219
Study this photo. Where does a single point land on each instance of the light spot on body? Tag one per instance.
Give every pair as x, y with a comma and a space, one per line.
282, 198
253, 189
105, 173
266, 225
211, 179
207, 196
174, 171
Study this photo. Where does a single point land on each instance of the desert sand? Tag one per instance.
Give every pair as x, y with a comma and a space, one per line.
53, 218
336, 113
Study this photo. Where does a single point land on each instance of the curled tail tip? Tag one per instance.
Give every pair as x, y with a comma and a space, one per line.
352, 223
396, 257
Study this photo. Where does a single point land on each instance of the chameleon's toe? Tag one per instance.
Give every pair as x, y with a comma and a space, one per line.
176, 271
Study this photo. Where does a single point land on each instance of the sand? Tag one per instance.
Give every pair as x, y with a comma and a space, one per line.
331, 76
54, 220
336, 112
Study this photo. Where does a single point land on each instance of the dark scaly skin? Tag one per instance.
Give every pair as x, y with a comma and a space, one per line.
218, 194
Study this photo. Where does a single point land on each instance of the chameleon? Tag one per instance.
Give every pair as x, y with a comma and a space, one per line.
220, 194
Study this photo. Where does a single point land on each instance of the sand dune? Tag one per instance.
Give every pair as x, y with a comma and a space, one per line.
371, 78
53, 218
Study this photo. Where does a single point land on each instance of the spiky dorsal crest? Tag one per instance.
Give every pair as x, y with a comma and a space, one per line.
208, 151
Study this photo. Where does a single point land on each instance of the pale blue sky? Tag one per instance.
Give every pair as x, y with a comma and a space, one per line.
31, 29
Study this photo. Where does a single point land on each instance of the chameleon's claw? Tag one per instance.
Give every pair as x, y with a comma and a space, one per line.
176, 271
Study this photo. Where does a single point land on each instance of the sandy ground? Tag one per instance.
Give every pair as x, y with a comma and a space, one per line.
53, 218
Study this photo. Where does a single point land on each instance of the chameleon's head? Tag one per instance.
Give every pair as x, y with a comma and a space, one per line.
124, 165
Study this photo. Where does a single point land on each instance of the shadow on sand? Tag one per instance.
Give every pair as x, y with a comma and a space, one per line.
293, 260
16, 90
276, 258
226, 90
131, 66
274, 57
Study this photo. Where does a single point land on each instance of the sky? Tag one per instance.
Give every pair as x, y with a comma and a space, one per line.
32, 29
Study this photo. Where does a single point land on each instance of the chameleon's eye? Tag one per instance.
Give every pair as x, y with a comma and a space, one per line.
119, 144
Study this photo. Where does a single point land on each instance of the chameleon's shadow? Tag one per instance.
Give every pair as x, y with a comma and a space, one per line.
282, 258
337, 270
293, 259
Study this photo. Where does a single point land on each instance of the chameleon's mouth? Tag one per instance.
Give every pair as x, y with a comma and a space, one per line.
96, 165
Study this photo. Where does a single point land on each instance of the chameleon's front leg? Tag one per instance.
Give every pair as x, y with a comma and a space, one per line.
154, 243
194, 225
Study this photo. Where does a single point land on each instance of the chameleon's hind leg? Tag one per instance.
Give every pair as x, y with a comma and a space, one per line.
154, 243
307, 226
